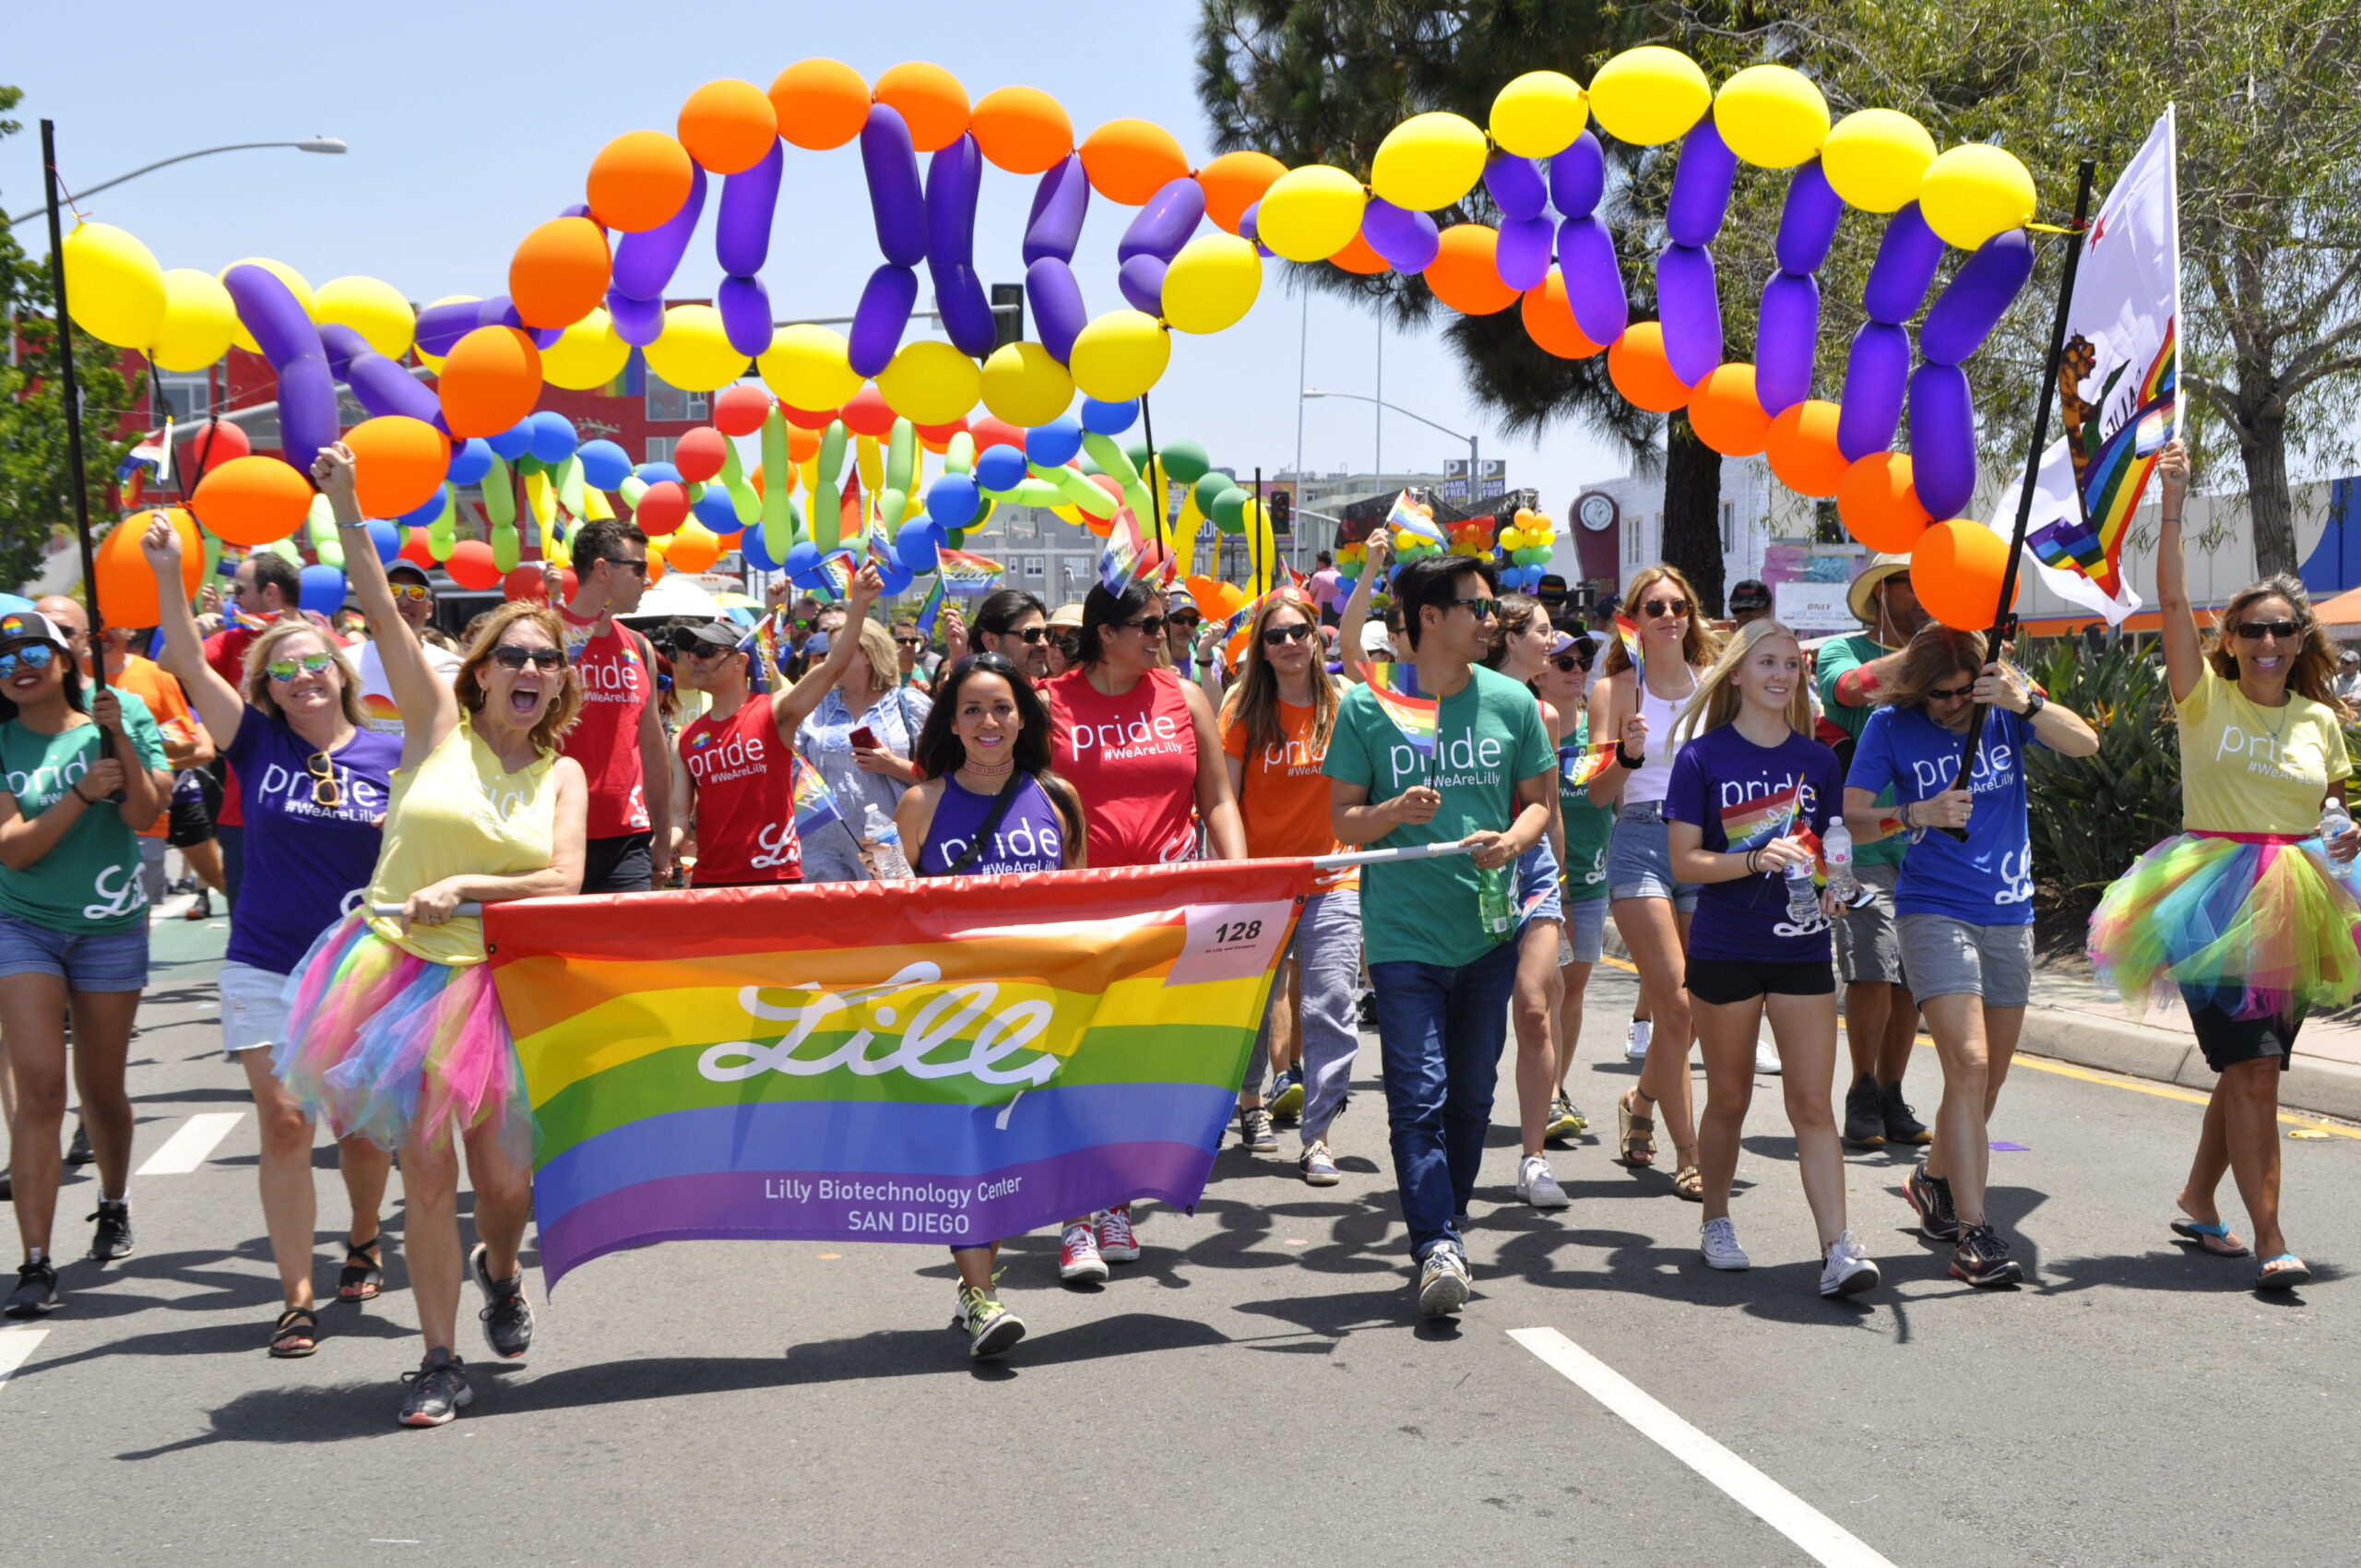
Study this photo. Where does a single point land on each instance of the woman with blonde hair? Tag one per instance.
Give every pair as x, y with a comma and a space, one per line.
393, 1025
1636, 703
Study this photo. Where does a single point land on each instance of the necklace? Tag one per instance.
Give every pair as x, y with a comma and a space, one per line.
990, 770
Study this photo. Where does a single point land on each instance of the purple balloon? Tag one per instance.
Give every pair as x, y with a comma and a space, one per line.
440, 326
1943, 439
637, 322
1522, 257
1691, 309
501, 311
1060, 203
1578, 178
1516, 186
1786, 337
884, 310
1164, 224
1907, 257
1700, 186
967, 318
745, 307
895, 199
272, 314
742, 232
1877, 373
953, 176
1408, 240
1142, 281
644, 262
383, 386
1808, 221
341, 343
1056, 298
1977, 296
1593, 283
307, 416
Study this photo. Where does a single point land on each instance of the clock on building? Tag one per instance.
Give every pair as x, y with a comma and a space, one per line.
1595, 511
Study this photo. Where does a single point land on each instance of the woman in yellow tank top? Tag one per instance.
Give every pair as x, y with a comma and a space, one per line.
393, 1028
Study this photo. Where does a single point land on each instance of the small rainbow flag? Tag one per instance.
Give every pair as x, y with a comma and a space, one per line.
1749, 824
1402, 678
1415, 717
835, 572
932, 607
968, 575
1628, 635
1411, 517
1579, 764
815, 803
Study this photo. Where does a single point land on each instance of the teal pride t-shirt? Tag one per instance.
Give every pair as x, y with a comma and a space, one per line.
89, 880
1488, 739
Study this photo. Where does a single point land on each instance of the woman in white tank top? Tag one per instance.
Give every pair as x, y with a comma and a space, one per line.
1638, 706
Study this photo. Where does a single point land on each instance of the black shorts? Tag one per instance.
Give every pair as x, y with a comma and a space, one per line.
2227, 1042
621, 864
1720, 981
197, 795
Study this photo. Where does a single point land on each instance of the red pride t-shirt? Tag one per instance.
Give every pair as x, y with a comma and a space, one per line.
745, 779
617, 686
1133, 758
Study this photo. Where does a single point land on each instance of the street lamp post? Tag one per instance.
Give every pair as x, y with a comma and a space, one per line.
309, 144
1472, 448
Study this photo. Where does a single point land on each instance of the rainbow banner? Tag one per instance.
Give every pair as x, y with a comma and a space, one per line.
942, 1062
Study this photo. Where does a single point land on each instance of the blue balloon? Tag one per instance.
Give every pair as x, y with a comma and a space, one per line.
554, 439
756, 554
425, 514
388, 538
513, 442
892, 577
657, 474
1002, 468
322, 590
951, 500
604, 464
717, 511
803, 560
1109, 419
1054, 444
471, 462
918, 545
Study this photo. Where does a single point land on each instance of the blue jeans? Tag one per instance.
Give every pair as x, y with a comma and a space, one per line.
1440, 1031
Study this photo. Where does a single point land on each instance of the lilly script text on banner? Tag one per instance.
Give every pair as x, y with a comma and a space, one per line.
945, 1061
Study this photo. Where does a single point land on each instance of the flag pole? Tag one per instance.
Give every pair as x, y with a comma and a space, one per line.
1155, 478
2003, 619
1254, 562
72, 396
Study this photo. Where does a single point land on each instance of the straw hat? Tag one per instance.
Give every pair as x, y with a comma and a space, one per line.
1880, 568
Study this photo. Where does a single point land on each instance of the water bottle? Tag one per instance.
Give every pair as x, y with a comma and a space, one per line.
1803, 898
1837, 844
1495, 910
2335, 819
886, 858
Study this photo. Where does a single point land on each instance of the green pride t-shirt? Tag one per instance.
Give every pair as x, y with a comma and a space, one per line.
1488, 739
89, 880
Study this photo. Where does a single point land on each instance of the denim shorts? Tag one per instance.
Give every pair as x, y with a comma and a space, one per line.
94, 961
1942, 957
1639, 859
1537, 897
253, 1008
1585, 932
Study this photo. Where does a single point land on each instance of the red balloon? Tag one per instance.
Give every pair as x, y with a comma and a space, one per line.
867, 414
807, 419
699, 454
990, 431
664, 507
217, 441
470, 564
417, 552
525, 582
741, 409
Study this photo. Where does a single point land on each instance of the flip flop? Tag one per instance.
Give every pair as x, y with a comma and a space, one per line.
2214, 1239
2269, 1279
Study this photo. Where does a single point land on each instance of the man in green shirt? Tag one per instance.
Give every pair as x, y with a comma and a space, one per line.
1881, 1016
1465, 762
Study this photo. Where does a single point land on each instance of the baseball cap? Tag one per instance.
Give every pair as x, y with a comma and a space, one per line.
1374, 638
412, 567
713, 634
1751, 594
31, 625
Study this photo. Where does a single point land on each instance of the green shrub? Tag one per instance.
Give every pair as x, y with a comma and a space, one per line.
2093, 816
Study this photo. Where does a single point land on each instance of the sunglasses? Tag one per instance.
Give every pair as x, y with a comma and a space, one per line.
689, 646
1657, 607
909, 642
620, 564
2255, 631
1567, 664
1950, 693
416, 593
34, 656
327, 793
1069, 645
1031, 634
1150, 624
508, 656
286, 670
1274, 636
1482, 608
1184, 618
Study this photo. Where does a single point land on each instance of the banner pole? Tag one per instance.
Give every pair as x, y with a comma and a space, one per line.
70, 395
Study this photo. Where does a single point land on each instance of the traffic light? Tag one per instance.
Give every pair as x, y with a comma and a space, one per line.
1008, 313
1282, 511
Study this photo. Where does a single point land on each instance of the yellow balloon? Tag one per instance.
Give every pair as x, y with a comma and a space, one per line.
1974, 191
434, 361
1120, 355
1024, 386
198, 319
1771, 116
694, 354
1538, 115
370, 306
868, 462
113, 285
1649, 95
586, 354
1211, 283
1429, 161
808, 367
1875, 158
1309, 214
930, 383
285, 273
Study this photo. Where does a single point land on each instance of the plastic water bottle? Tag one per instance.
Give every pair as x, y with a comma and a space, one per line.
1837, 844
2335, 819
1495, 910
1803, 898
887, 856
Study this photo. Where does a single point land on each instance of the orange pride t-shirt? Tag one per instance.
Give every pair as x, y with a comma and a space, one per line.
167, 704
1283, 796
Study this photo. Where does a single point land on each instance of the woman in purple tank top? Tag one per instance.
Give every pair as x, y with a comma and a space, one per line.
986, 730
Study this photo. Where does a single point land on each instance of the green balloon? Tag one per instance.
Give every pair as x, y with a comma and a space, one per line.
956, 538
1208, 489
1230, 510
528, 464
1186, 461
1137, 452
1088, 465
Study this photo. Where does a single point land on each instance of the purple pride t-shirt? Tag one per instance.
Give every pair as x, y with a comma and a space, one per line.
1743, 796
305, 863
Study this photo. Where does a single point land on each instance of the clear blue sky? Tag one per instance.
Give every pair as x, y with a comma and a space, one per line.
468, 123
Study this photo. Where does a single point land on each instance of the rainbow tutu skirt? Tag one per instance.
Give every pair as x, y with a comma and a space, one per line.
2256, 924
387, 1045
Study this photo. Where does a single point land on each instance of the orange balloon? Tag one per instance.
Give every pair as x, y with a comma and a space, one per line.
1725, 413
638, 181
1955, 569
1021, 129
694, 549
253, 501
728, 126
1235, 181
1130, 160
654, 561
471, 566
930, 98
1636, 363
560, 272
1803, 449
802, 444
820, 104
1357, 256
1550, 320
1878, 505
398, 464
490, 380
1464, 275
125, 587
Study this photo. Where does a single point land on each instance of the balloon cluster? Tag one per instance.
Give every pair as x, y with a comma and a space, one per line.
1526, 545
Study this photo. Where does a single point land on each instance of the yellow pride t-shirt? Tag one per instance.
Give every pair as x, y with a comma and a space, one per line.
2248, 769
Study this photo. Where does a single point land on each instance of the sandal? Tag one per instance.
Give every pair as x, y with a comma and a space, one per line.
288, 1341
1634, 1134
2214, 1239
2284, 1272
363, 1275
1687, 1180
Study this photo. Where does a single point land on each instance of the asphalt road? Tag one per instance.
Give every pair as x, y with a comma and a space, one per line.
1258, 1386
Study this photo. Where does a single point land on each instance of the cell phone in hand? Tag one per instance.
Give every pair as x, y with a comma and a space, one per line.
864, 739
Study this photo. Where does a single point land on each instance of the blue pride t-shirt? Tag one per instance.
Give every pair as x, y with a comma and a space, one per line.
306, 861
1987, 879
1743, 796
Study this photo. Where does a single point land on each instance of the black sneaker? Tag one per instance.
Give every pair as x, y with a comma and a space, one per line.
79, 1151
111, 1238
36, 1291
1982, 1258
1901, 1126
1864, 1123
438, 1391
203, 908
1931, 1196
1369, 1010
507, 1315
1254, 1129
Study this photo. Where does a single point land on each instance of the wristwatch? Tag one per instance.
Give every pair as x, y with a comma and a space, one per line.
2034, 703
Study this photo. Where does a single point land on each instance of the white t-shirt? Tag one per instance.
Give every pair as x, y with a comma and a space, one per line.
376, 697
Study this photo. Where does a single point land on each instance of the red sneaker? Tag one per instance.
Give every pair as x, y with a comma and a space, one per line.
1116, 1242
1078, 1258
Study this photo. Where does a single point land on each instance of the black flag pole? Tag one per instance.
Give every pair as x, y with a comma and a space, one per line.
71, 396
1256, 566
1155, 478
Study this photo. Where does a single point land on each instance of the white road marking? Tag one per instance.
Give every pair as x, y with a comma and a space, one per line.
187, 1148
1823, 1538
16, 1346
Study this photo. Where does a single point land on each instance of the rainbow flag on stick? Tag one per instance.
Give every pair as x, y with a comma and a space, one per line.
1579, 764
1415, 717
944, 1061
1628, 635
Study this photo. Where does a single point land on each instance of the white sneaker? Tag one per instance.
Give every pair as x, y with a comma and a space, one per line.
1443, 1282
1848, 1270
1717, 1245
1537, 1185
1636, 1041
1766, 1059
